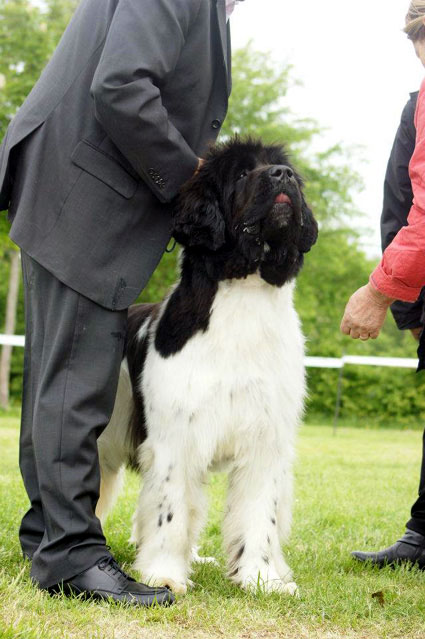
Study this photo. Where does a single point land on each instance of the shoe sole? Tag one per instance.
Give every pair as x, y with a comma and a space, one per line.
68, 590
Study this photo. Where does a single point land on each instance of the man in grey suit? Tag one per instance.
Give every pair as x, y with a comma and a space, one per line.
117, 122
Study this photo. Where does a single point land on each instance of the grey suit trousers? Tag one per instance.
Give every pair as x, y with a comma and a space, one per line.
73, 354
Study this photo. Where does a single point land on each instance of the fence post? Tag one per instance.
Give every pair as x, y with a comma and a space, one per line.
338, 397
11, 309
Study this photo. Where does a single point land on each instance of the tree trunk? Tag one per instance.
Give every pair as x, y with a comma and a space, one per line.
9, 329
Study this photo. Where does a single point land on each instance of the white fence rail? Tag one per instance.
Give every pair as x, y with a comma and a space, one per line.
311, 362
12, 340
340, 362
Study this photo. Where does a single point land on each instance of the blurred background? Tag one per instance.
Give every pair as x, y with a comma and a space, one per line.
329, 80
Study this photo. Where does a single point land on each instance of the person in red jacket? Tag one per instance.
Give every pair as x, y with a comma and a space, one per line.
399, 276
397, 201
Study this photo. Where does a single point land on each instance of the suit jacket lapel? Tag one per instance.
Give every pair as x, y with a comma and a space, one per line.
224, 37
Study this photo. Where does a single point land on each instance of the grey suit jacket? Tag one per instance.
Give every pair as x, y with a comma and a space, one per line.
134, 93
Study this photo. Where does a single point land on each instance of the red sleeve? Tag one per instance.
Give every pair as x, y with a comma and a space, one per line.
401, 272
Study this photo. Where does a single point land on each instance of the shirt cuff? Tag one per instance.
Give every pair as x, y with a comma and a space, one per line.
389, 286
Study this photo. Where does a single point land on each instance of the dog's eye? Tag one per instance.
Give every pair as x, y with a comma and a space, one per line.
242, 175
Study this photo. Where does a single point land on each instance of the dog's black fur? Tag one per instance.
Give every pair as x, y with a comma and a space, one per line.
227, 219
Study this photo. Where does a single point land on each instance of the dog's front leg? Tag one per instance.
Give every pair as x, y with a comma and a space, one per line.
251, 526
161, 526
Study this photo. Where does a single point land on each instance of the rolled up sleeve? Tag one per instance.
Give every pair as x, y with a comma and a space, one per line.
401, 272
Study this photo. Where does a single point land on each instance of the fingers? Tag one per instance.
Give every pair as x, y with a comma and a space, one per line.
200, 163
345, 326
364, 315
356, 334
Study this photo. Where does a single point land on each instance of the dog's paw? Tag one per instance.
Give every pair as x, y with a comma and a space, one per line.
135, 534
163, 573
206, 560
268, 584
276, 585
133, 540
291, 588
198, 559
178, 587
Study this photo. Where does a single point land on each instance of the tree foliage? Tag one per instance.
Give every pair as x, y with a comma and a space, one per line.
336, 266
259, 106
28, 36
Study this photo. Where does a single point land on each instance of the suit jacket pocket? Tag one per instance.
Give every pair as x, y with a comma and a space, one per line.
105, 168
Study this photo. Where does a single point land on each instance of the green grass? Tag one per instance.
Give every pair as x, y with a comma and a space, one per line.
352, 491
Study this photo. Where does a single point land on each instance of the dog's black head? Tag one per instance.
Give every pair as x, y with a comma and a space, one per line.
244, 211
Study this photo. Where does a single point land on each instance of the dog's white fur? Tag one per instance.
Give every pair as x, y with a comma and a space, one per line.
232, 397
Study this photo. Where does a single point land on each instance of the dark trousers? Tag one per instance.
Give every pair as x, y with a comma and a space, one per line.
73, 353
417, 521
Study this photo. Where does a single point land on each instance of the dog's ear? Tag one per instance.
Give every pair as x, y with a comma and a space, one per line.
310, 229
197, 219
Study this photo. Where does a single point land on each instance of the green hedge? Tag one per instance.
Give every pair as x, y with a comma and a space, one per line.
370, 395
387, 397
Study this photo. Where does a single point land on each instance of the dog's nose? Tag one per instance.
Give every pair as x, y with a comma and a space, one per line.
281, 173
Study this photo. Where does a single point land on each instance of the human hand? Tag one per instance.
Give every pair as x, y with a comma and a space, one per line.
200, 163
365, 313
416, 332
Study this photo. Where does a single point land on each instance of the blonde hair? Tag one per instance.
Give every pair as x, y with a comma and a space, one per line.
415, 27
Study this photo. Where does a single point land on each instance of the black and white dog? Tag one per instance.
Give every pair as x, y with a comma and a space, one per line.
213, 376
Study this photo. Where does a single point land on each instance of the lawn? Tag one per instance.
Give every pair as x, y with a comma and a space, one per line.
352, 491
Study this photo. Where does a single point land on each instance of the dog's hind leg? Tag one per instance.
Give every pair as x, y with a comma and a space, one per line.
112, 447
111, 483
198, 509
200, 559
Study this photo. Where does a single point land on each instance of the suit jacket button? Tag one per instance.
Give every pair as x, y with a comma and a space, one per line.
216, 124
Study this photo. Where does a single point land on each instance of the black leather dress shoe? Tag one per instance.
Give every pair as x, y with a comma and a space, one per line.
106, 580
409, 549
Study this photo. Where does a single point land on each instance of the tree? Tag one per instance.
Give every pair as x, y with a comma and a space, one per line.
28, 37
260, 106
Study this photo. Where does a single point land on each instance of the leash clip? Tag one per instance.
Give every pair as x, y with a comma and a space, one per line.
171, 248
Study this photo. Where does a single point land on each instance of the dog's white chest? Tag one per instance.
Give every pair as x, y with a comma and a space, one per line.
244, 373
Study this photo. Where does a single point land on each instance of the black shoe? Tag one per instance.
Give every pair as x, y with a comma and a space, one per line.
106, 580
409, 549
